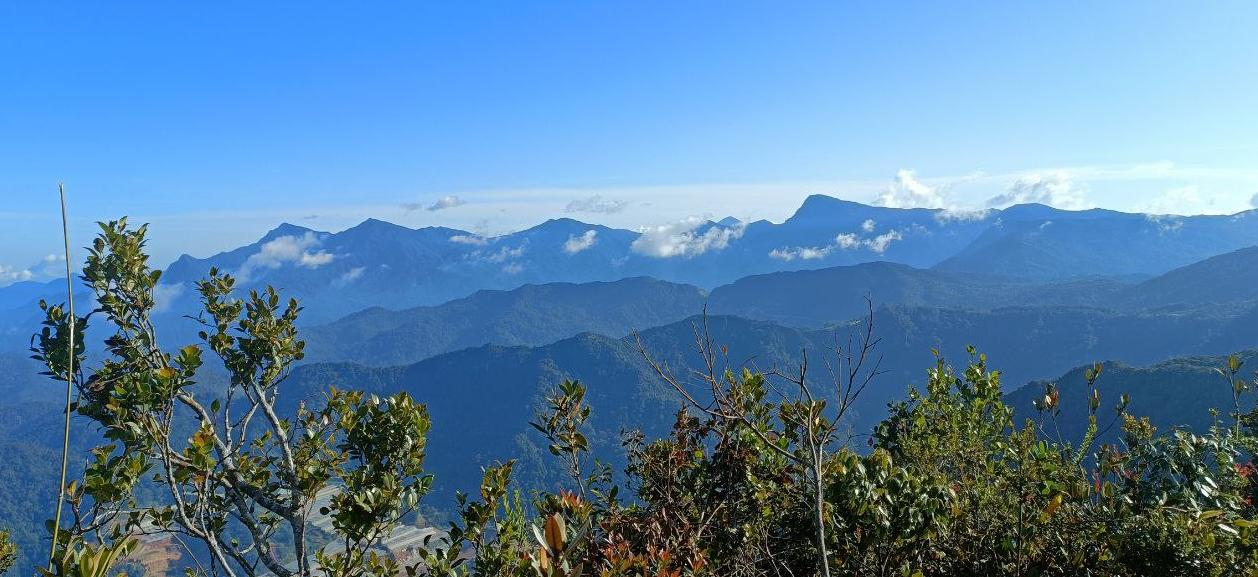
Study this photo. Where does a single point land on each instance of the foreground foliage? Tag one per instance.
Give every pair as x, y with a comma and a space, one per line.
8, 552
759, 476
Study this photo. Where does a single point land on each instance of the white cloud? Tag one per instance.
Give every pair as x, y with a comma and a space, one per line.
1054, 189
909, 192
869, 225
50, 266
349, 276
448, 201
1166, 223
1253, 200
472, 239
597, 204
843, 241
683, 239
801, 252
1182, 200
504, 254
512, 268
962, 215
576, 244
288, 249
847, 241
10, 275
880, 243
315, 260
165, 295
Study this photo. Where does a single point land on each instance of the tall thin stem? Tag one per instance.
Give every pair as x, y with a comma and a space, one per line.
65, 438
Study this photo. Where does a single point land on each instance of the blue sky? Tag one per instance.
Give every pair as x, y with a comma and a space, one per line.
217, 121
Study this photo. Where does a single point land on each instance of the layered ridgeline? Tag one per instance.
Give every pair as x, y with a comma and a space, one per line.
1221, 286
378, 264
541, 314
505, 384
1224, 279
1218, 288
1034, 241
385, 265
528, 315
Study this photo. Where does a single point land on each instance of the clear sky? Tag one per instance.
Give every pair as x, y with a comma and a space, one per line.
216, 121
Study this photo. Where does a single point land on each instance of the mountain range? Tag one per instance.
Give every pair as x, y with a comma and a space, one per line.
484, 326
378, 264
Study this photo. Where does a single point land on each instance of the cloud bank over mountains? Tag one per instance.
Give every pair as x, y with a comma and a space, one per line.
1055, 189
689, 237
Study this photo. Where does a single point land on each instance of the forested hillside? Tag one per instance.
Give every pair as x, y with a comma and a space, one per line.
529, 315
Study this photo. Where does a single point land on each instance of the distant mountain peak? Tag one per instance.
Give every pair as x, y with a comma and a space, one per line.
285, 229
376, 229
818, 207
564, 224
377, 224
729, 221
563, 221
824, 202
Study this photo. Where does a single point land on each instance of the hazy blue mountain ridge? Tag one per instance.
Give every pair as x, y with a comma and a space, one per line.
528, 315
1044, 243
378, 264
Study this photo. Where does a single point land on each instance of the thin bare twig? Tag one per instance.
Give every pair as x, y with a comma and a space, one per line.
65, 437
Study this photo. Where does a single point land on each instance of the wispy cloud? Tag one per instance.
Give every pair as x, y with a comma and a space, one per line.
801, 252
962, 214
504, 254
879, 243
578, 243
472, 239
683, 239
301, 251
10, 275
1055, 189
909, 192
1177, 201
597, 204
51, 265
1166, 223
448, 201
165, 295
349, 276
844, 241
